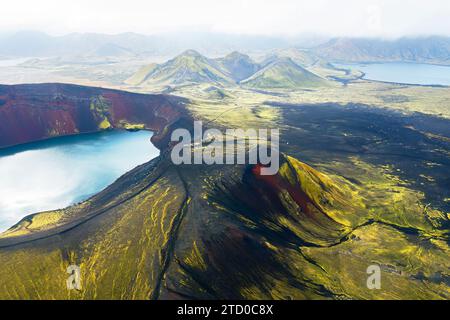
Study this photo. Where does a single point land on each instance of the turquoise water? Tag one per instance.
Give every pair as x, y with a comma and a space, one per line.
409, 73
56, 173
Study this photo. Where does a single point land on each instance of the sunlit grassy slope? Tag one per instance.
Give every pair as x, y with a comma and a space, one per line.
187, 68
283, 73
358, 185
165, 232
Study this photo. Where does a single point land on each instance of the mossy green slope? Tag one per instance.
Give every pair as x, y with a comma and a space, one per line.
223, 231
142, 74
190, 67
117, 238
239, 66
170, 232
283, 73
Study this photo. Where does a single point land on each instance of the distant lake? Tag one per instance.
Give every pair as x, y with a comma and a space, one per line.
409, 73
56, 173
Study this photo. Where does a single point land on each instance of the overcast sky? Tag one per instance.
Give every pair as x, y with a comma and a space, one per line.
387, 18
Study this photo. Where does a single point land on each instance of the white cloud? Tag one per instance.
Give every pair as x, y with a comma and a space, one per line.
287, 17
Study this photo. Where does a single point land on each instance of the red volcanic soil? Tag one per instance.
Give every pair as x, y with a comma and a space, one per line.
38, 111
278, 184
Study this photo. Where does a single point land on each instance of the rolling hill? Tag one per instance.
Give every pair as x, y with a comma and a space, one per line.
239, 66
234, 69
141, 75
190, 67
283, 73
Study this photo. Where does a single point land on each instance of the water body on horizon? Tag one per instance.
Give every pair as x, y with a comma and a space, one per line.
402, 72
57, 173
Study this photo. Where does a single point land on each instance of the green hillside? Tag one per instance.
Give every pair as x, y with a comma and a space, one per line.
141, 75
239, 66
283, 73
165, 231
190, 67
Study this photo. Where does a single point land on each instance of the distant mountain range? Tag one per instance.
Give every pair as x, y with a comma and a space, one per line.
426, 50
431, 49
37, 44
303, 51
191, 67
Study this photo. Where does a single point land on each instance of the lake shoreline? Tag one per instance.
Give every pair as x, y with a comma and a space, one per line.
366, 76
399, 73
3, 148
59, 172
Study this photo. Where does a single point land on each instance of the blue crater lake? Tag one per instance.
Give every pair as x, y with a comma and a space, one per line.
408, 73
56, 173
